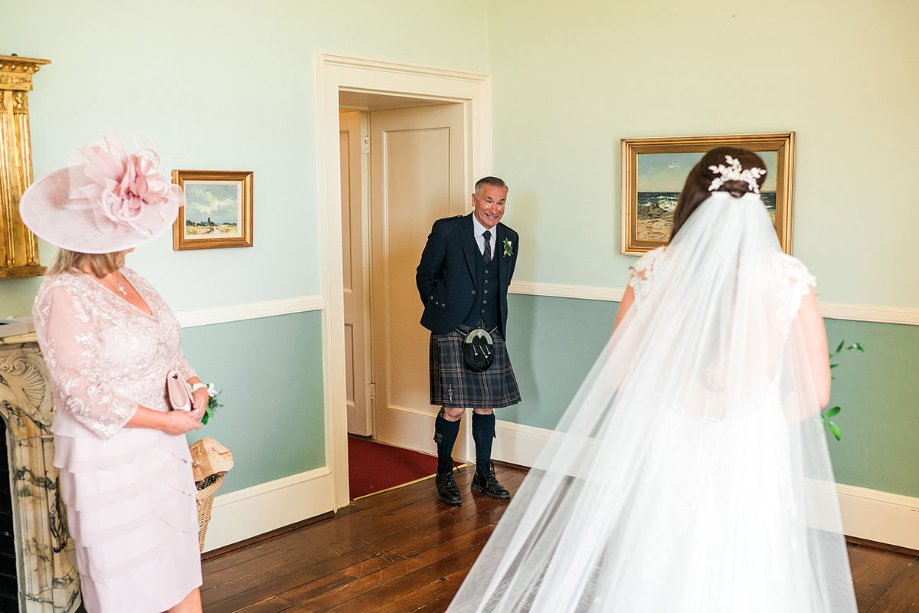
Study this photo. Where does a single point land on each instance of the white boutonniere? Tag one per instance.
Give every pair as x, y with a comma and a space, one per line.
508, 248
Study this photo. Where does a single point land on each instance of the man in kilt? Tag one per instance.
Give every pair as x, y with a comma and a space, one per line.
465, 270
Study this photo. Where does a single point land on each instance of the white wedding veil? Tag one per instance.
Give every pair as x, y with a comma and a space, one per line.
690, 472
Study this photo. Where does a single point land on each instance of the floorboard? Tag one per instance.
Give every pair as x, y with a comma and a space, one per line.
404, 551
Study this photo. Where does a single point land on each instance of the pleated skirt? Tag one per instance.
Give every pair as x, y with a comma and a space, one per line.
131, 511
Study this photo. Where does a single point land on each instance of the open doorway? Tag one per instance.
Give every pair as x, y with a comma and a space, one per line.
402, 168
409, 416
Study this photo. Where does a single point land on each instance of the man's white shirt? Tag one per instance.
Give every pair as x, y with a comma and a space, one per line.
478, 230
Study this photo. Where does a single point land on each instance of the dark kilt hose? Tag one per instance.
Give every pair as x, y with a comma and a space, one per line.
453, 385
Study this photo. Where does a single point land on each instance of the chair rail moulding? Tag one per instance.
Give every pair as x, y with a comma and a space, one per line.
18, 246
830, 310
336, 73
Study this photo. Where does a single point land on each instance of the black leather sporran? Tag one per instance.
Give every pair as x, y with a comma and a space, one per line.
478, 350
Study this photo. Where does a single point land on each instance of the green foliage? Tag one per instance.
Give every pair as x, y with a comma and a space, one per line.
827, 414
213, 403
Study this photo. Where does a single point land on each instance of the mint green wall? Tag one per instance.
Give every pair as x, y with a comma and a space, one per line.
553, 342
231, 85
224, 86
573, 78
269, 372
879, 395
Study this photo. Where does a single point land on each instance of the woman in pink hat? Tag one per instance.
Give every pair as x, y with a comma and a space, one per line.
109, 341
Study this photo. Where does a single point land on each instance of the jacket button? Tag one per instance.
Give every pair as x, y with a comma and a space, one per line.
436, 303
484, 302
486, 291
430, 297
473, 292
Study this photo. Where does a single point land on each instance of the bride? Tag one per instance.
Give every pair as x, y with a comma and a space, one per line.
690, 473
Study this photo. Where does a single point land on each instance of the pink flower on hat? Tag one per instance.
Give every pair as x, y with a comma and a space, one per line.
128, 190
103, 202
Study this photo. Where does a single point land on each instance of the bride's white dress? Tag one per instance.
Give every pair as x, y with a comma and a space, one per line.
690, 473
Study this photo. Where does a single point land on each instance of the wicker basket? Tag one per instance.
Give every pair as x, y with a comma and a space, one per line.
205, 500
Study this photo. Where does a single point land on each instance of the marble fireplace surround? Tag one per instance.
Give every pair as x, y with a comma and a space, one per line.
48, 580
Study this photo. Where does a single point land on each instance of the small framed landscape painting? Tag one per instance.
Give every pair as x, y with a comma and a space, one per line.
217, 212
654, 170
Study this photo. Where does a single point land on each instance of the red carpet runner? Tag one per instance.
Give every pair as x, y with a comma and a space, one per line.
375, 467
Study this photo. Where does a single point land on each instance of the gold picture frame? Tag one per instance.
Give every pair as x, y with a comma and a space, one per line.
217, 212
648, 197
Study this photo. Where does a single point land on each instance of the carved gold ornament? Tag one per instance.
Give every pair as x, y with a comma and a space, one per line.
18, 246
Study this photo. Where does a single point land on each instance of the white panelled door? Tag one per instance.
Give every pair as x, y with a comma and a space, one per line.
355, 261
417, 176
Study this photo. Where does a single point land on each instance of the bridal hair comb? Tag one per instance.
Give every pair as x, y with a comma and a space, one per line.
735, 172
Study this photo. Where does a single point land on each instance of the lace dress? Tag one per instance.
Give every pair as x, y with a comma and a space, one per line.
129, 492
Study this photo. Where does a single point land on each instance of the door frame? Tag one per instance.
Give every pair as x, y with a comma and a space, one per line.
335, 73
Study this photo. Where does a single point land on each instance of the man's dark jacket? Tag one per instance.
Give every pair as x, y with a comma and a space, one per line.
446, 274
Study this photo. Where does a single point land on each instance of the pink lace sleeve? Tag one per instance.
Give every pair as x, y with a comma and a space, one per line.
70, 348
184, 367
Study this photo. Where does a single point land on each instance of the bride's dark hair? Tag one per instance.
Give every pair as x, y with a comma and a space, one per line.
695, 191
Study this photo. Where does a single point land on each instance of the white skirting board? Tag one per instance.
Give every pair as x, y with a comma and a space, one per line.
268, 506
869, 514
879, 516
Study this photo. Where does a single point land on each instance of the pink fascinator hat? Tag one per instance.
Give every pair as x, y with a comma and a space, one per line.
108, 201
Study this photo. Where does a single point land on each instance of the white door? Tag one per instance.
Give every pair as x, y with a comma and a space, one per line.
417, 176
355, 254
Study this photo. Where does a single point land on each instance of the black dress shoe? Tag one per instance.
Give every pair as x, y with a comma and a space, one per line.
447, 488
489, 484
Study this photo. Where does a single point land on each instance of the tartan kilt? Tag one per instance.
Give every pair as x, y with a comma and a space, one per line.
455, 386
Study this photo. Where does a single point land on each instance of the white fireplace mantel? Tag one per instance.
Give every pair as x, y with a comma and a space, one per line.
48, 580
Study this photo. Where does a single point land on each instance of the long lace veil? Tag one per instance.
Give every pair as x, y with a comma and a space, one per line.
690, 472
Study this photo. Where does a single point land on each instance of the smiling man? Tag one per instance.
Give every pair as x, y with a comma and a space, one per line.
465, 270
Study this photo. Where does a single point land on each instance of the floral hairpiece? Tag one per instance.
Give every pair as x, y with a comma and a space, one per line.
735, 172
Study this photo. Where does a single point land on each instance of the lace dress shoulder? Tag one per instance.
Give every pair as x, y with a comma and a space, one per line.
642, 273
792, 282
65, 323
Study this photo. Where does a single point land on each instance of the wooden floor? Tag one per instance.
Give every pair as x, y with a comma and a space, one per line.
402, 551
885, 581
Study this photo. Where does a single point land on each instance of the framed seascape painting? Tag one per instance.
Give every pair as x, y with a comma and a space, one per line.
217, 212
654, 170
